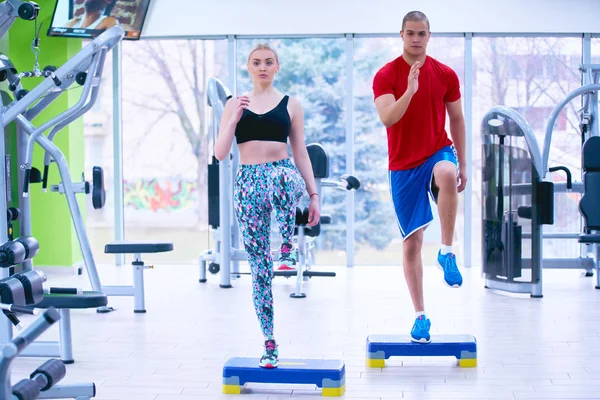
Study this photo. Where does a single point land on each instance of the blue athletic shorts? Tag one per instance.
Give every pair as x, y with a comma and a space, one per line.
411, 190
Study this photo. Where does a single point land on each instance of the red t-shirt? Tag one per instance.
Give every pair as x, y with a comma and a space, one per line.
421, 130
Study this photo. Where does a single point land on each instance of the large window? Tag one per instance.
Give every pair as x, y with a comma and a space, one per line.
313, 71
165, 146
531, 75
166, 150
377, 237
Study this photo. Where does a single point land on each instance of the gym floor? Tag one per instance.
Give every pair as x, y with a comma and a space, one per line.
527, 348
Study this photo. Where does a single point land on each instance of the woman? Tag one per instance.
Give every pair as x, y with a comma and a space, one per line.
261, 121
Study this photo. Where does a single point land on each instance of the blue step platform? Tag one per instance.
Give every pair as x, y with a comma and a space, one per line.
329, 375
382, 347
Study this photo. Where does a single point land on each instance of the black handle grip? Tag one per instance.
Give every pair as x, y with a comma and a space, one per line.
352, 182
11, 317
55, 290
45, 177
26, 181
22, 309
567, 172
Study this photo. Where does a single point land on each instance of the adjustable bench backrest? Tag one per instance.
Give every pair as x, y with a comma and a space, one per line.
589, 206
319, 160
320, 165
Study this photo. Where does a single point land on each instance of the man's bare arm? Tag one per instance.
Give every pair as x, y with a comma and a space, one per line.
391, 110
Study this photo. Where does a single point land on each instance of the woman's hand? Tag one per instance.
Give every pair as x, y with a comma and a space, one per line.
314, 211
238, 109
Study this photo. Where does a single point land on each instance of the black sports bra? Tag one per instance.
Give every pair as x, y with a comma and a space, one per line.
272, 126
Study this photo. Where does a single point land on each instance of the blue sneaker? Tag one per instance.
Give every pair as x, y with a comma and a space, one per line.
420, 330
447, 263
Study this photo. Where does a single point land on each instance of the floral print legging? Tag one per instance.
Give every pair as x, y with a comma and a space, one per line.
260, 189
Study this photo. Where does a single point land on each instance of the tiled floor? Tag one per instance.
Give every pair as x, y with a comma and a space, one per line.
528, 348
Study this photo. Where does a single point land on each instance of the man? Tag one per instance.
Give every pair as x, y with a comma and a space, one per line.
94, 17
412, 94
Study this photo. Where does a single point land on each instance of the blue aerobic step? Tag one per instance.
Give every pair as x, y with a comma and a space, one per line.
329, 375
382, 347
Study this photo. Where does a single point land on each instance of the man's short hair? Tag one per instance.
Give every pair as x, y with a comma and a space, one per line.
415, 16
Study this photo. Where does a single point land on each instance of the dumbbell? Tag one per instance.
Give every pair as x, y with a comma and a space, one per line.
11, 253
17, 251
12, 291
33, 285
43, 378
22, 289
13, 299
31, 245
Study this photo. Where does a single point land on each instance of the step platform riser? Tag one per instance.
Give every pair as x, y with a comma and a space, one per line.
382, 347
329, 375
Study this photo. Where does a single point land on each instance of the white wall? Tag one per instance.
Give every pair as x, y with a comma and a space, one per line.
280, 17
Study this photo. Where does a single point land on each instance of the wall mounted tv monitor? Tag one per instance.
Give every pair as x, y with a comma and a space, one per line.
89, 18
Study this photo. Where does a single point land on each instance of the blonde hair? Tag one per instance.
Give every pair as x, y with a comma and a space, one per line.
263, 46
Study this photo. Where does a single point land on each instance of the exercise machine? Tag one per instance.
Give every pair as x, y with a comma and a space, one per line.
227, 253
85, 68
17, 293
518, 195
588, 206
511, 160
22, 107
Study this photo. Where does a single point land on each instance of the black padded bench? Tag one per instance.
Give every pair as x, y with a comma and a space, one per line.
590, 201
128, 247
87, 299
137, 249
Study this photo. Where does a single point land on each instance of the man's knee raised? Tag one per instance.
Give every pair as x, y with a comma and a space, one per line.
445, 175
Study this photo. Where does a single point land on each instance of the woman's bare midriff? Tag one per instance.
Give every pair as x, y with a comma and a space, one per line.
260, 152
